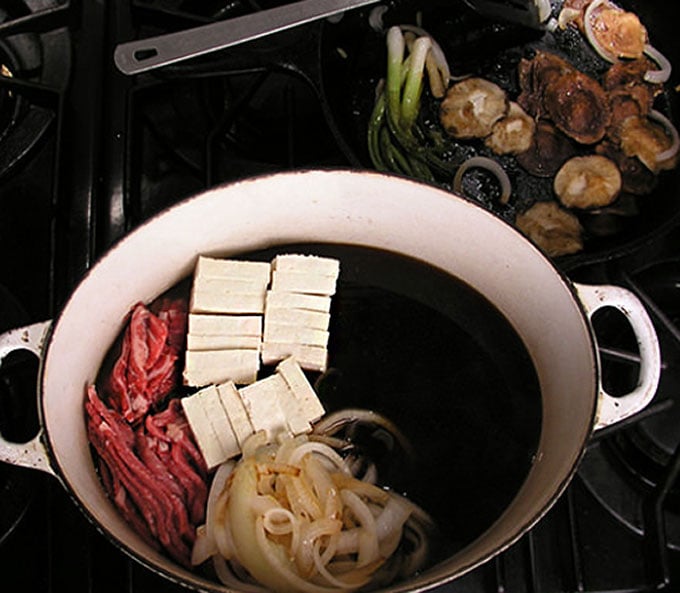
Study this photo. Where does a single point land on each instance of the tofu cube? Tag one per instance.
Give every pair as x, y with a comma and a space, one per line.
203, 367
307, 264
305, 406
210, 426
226, 342
298, 317
293, 334
312, 358
304, 283
276, 299
261, 401
210, 267
236, 411
229, 286
221, 325
232, 303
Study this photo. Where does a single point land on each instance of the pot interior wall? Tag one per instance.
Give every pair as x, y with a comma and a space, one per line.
343, 207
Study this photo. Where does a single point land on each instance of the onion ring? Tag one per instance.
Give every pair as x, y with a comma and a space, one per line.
664, 72
590, 33
672, 131
375, 18
567, 16
490, 165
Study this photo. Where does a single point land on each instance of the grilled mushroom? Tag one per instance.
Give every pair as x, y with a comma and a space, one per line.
636, 179
513, 133
646, 140
576, 103
549, 150
471, 108
614, 32
552, 228
578, 106
589, 181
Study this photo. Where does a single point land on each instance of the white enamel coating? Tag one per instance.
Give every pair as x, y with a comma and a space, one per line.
613, 409
367, 209
31, 454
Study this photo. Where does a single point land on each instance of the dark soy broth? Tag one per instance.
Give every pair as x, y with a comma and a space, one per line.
441, 362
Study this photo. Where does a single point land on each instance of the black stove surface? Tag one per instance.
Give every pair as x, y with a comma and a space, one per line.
87, 154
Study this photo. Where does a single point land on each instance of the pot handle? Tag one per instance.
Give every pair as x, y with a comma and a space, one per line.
33, 453
613, 409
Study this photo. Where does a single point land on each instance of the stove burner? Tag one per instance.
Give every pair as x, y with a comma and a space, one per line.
201, 132
33, 68
626, 469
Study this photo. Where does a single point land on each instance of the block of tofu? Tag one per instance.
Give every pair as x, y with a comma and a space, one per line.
226, 303
312, 358
210, 267
306, 264
224, 325
303, 282
293, 334
261, 401
203, 367
308, 405
236, 411
210, 426
229, 285
227, 342
295, 300
298, 317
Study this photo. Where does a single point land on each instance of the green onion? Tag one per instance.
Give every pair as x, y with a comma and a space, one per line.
410, 102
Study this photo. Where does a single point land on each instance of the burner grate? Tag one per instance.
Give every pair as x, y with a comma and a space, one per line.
116, 151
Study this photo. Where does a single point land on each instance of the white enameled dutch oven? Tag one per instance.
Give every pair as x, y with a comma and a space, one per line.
550, 313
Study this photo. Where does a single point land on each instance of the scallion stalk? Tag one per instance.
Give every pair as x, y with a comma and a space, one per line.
395, 59
413, 87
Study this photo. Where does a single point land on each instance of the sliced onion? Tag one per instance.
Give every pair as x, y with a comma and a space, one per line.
204, 547
590, 33
279, 521
334, 422
323, 485
280, 567
664, 72
375, 18
293, 538
228, 578
490, 165
217, 487
672, 131
544, 10
368, 535
323, 450
216, 499
567, 16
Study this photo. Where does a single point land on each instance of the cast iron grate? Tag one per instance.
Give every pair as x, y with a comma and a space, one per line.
121, 161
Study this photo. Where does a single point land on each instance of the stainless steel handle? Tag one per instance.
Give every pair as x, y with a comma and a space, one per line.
139, 56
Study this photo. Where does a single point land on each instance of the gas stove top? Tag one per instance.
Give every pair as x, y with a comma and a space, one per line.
87, 154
